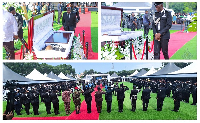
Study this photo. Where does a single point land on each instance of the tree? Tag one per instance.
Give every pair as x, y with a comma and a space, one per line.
179, 64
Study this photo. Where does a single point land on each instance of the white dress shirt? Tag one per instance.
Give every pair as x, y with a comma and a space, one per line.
9, 26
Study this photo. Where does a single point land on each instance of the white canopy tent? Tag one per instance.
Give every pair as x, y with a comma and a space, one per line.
36, 75
151, 71
188, 69
134, 73
62, 76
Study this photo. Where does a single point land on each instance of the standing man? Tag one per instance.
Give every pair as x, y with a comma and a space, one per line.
145, 97
146, 23
133, 97
59, 12
19, 20
47, 101
121, 96
99, 99
9, 33
133, 21
108, 98
160, 97
77, 99
177, 98
162, 22
55, 101
67, 99
69, 20
88, 98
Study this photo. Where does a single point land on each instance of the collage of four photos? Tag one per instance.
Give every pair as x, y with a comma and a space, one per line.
99, 60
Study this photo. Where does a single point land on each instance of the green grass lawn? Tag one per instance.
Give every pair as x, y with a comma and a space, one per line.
94, 31
42, 109
187, 111
187, 51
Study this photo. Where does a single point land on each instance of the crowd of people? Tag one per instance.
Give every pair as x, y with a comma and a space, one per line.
29, 95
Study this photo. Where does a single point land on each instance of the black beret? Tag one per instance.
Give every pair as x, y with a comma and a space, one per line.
11, 9
158, 3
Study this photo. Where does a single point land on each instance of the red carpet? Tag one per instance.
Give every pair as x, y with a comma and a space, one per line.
94, 115
177, 40
85, 24
40, 118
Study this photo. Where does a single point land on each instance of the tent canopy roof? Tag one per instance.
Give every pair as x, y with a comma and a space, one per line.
8, 74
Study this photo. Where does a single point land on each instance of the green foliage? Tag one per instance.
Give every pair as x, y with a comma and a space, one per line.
24, 68
182, 7
193, 24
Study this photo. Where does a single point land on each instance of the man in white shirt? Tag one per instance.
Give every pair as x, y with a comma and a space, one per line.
9, 33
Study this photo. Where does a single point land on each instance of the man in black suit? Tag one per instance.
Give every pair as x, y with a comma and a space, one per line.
145, 97
133, 97
55, 102
160, 97
69, 20
19, 20
162, 22
121, 96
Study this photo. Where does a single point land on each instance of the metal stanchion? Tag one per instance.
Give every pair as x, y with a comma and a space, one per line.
131, 49
86, 44
147, 47
83, 39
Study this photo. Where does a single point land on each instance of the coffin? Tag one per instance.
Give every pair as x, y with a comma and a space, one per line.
111, 18
41, 35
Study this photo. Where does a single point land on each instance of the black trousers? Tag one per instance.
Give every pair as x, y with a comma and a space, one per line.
88, 106
158, 45
69, 28
120, 105
194, 99
176, 104
56, 107
35, 108
146, 29
145, 104
17, 108
109, 106
27, 107
160, 104
48, 107
133, 103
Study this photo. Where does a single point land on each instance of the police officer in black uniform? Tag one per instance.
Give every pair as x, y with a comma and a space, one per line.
34, 97
133, 97
121, 96
55, 101
47, 101
160, 97
177, 98
108, 98
25, 100
17, 103
88, 98
162, 22
145, 97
